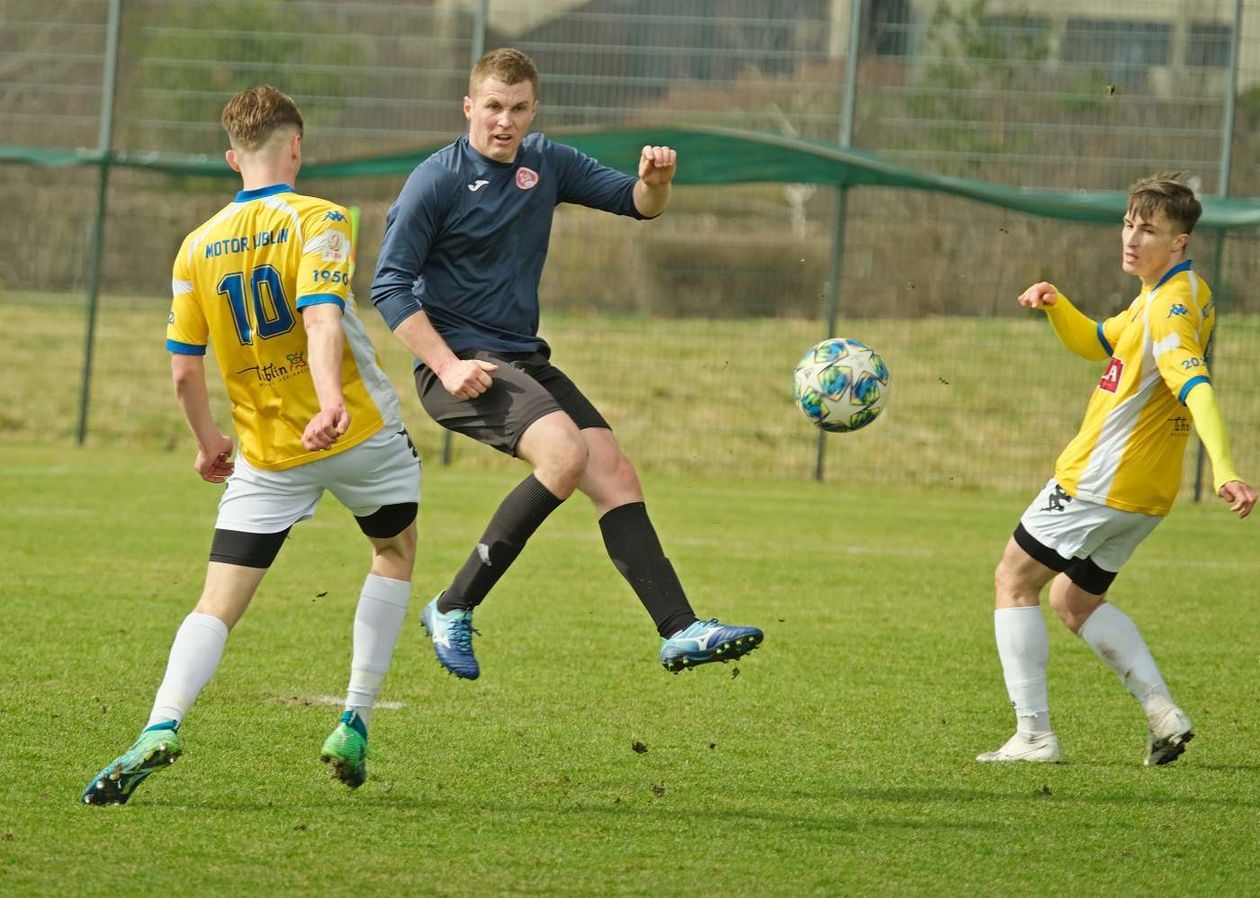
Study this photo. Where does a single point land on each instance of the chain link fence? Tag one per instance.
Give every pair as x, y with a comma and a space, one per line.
684, 330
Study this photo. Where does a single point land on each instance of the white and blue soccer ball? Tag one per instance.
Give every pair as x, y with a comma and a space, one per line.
840, 384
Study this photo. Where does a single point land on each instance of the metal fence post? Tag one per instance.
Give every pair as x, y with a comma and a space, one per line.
842, 200
104, 147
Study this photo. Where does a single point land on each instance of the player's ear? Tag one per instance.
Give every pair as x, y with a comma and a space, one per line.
232, 161
468, 105
1179, 244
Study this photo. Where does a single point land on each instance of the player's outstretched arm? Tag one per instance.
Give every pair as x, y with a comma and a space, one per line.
1201, 401
657, 166
214, 449
462, 378
1076, 330
325, 341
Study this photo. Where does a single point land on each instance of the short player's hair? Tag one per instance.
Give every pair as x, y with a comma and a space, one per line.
1169, 193
253, 115
509, 65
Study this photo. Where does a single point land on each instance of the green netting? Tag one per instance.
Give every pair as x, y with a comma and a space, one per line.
708, 156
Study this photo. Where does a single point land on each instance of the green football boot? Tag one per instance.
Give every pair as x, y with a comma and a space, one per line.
345, 750
157, 747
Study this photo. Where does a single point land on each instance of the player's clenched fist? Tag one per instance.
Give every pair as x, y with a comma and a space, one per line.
467, 378
657, 165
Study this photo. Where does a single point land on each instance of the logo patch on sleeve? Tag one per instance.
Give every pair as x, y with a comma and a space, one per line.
1111, 377
336, 247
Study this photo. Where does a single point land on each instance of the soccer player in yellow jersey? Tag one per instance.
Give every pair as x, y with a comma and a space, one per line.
267, 280
1118, 478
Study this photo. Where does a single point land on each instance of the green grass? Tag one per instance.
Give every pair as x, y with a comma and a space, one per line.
835, 760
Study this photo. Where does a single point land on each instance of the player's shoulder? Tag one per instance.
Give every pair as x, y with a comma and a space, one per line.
1182, 289
539, 144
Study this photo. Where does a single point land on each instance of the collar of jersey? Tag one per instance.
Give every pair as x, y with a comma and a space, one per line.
483, 164
1176, 269
244, 196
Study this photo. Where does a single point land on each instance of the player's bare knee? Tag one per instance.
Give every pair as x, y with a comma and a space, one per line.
562, 467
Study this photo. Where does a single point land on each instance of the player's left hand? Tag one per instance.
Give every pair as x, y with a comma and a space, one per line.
1240, 496
657, 165
325, 428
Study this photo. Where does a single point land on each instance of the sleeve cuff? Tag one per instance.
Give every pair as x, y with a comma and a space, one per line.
1102, 338
315, 299
184, 348
1190, 385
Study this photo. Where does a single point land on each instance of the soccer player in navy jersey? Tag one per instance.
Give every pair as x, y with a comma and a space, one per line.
457, 282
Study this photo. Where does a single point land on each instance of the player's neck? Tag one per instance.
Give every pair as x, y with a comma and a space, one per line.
1150, 280
267, 175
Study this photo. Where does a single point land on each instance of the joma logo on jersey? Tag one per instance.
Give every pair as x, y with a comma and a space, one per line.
1111, 377
334, 216
1177, 309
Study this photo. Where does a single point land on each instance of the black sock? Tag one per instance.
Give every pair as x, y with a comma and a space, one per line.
636, 551
514, 522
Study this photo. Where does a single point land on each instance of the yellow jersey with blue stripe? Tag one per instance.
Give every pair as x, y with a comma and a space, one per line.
240, 281
1129, 450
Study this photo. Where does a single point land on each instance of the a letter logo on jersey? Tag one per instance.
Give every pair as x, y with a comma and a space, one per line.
1177, 309
477, 185
1111, 377
526, 178
334, 215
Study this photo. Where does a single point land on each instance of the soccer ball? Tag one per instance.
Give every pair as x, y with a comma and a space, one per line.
840, 384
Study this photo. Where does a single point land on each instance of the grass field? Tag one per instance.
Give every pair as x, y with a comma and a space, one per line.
837, 760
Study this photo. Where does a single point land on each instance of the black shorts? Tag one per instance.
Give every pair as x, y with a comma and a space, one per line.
526, 387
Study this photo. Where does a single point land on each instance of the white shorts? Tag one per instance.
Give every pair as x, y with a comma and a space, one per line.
1071, 528
382, 470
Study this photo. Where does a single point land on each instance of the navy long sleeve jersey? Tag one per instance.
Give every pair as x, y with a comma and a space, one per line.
467, 238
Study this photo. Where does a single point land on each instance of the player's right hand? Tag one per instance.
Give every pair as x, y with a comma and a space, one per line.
214, 462
1039, 296
467, 378
325, 428
1240, 496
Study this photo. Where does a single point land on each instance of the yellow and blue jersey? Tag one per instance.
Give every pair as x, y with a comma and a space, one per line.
240, 282
1129, 450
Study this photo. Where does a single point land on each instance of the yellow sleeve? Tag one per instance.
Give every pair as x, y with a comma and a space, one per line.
187, 332
1079, 333
1201, 400
324, 271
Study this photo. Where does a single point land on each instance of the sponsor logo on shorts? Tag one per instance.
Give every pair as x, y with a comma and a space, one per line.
526, 178
1055, 500
1111, 377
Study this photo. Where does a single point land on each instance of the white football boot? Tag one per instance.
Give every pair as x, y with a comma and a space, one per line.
1170, 730
1040, 747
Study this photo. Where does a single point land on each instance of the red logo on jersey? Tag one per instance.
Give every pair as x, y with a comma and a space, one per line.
1111, 377
526, 178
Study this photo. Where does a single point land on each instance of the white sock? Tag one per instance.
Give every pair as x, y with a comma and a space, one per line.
1115, 639
195, 655
377, 623
1024, 648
